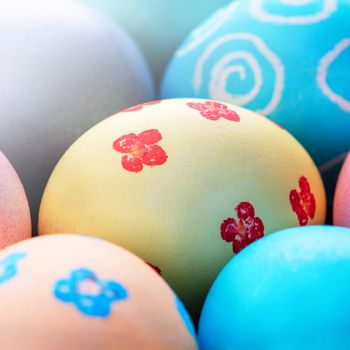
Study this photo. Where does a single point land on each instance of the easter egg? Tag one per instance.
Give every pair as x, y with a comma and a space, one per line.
184, 184
289, 290
63, 68
341, 209
15, 223
265, 55
158, 26
74, 292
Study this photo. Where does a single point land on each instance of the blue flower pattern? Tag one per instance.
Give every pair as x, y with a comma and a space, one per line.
91, 296
8, 266
185, 316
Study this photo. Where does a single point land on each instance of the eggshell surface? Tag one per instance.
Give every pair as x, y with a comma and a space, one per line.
158, 26
63, 68
75, 292
266, 55
341, 213
184, 184
15, 223
287, 291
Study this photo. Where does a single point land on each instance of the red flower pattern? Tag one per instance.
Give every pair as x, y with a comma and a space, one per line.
244, 231
155, 268
141, 150
303, 202
140, 106
214, 110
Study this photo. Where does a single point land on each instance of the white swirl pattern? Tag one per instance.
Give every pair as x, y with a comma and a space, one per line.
225, 67
207, 29
258, 11
322, 74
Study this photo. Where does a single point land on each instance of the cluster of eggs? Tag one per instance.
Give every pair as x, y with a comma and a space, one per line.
163, 206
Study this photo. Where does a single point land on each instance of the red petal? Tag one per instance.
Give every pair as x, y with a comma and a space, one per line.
194, 105
140, 106
302, 218
132, 164
222, 111
295, 202
245, 210
155, 268
309, 204
123, 144
238, 245
154, 155
304, 184
133, 108
257, 228
228, 229
231, 115
312, 206
150, 137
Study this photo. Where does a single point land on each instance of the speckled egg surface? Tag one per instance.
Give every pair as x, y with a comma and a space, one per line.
288, 60
158, 26
287, 291
341, 210
63, 68
15, 223
76, 292
185, 184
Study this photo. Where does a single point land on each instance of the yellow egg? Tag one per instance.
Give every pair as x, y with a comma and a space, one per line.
73, 292
184, 184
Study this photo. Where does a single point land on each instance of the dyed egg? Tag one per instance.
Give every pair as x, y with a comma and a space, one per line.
341, 210
289, 290
184, 184
74, 292
15, 223
63, 69
158, 26
240, 55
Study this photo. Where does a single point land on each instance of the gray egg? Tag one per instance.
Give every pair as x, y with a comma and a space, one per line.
63, 68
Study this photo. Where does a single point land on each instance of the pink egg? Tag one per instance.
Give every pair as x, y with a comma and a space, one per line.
341, 211
15, 222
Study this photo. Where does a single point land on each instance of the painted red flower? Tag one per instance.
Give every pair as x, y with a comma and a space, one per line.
247, 229
140, 106
155, 268
214, 110
141, 150
303, 202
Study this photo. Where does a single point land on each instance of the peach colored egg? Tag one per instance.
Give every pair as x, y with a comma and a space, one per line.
74, 292
15, 223
341, 211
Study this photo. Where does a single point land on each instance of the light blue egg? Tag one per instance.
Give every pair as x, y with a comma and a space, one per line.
158, 26
289, 60
287, 291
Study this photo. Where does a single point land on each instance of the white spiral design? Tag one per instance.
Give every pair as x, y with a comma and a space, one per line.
322, 74
203, 32
231, 63
258, 10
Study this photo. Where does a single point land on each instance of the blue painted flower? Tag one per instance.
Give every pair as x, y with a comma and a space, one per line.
185, 316
8, 266
91, 295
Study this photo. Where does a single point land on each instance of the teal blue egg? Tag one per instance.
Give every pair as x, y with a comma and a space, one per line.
288, 60
289, 290
158, 26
